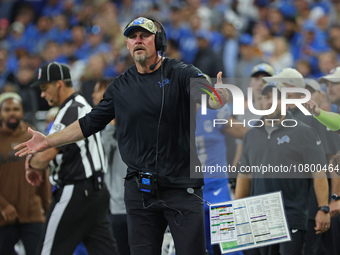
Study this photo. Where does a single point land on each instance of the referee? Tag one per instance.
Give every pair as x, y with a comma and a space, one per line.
79, 210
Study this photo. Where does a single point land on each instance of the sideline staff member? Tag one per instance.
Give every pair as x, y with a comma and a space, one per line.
79, 210
272, 144
152, 106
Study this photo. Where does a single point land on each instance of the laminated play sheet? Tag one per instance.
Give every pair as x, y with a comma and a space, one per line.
249, 222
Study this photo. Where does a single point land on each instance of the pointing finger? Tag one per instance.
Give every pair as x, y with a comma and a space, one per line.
219, 77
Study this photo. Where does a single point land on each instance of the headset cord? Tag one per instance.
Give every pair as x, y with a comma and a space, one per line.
159, 120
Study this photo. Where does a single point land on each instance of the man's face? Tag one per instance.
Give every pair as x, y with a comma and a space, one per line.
256, 83
141, 44
97, 94
267, 102
50, 91
11, 113
333, 92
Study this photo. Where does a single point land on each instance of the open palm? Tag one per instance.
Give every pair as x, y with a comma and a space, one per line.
37, 143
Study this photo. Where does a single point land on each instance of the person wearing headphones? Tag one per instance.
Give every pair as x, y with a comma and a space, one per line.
80, 205
154, 104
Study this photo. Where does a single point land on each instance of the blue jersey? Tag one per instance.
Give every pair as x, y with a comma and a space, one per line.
210, 140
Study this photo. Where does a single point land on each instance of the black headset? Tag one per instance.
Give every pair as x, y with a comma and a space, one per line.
160, 36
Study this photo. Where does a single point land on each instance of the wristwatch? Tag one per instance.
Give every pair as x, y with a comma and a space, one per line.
335, 197
324, 208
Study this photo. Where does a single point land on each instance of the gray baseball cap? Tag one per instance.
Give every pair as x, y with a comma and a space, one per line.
288, 75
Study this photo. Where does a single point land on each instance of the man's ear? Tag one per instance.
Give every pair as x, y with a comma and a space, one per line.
59, 84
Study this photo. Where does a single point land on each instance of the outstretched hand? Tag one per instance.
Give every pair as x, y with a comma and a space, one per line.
312, 107
37, 143
222, 92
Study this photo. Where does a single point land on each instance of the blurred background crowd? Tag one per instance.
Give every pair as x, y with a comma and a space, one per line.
227, 35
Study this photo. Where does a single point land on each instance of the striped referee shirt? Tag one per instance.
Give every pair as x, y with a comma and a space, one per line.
76, 161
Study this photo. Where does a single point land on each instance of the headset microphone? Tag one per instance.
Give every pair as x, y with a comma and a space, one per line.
151, 67
191, 191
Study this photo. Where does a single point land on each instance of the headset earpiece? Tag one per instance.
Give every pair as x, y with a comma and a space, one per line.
160, 38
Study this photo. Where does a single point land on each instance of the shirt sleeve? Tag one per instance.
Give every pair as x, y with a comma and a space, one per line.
100, 115
196, 83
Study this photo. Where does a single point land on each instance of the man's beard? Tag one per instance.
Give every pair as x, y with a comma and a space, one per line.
140, 59
13, 125
274, 115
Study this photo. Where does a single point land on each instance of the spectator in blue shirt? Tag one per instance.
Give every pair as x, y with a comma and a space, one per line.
61, 32
228, 53
311, 45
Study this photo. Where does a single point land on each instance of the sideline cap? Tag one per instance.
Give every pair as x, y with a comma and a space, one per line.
288, 75
52, 72
332, 76
8, 95
272, 84
262, 68
145, 23
313, 84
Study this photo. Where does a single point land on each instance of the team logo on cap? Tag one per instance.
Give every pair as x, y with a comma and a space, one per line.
138, 21
39, 74
261, 67
273, 83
